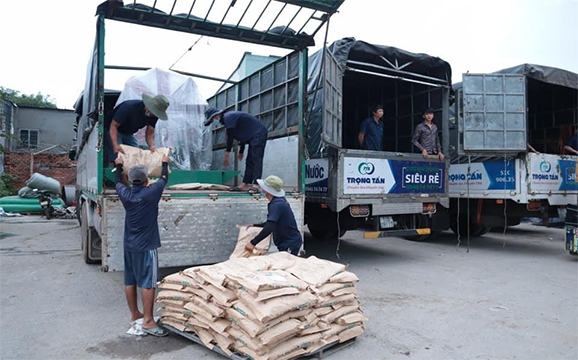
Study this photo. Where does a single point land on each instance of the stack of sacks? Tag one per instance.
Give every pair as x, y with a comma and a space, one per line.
272, 307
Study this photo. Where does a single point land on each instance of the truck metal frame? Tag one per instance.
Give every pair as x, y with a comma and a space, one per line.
196, 227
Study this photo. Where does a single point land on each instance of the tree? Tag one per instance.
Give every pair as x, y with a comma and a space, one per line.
38, 100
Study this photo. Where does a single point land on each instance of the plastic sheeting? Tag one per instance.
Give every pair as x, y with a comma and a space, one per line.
350, 49
547, 74
183, 132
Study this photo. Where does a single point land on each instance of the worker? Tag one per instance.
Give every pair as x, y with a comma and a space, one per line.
141, 240
571, 146
246, 129
280, 219
426, 137
130, 116
371, 130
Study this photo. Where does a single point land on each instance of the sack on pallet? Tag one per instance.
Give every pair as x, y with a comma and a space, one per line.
350, 333
200, 312
174, 295
345, 291
332, 300
351, 318
244, 339
135, 156
329, 288
344, 277
315, 271
336, 314
209, 307
282, 260
257, 281
293, 344
267, 310
180, 279
205, 337
269, 294
279, 332
223, 342
246, 234
169, 286
220, 295
177, 325
175, 303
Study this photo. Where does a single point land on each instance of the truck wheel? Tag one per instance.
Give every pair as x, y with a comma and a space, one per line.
474, 229
422, 221
324, 234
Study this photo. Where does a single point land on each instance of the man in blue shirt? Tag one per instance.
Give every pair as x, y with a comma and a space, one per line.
280, 219
246, 129
371, 130
141, 240
130, 116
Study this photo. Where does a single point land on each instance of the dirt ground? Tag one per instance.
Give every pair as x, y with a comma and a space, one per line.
512, 296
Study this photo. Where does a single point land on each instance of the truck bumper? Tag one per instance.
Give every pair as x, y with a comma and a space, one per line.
395, 233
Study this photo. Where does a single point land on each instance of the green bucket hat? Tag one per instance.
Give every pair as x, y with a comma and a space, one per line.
157, 105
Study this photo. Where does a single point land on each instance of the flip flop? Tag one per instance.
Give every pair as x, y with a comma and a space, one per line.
253, 190
237, 189
158, 331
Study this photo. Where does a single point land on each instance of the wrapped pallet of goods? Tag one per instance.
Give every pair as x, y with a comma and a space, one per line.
271, 307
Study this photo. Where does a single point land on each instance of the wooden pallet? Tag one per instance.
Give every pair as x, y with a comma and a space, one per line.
319, 354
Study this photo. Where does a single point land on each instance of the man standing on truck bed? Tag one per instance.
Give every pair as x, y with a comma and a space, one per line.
246, 129
130, 116
426, 136
371, 130
280, 219
141, 240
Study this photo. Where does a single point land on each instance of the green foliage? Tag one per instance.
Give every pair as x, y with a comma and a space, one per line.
6, 188
38, 100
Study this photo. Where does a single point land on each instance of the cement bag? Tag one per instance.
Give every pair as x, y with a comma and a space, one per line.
245, 236
134, 156
41, 182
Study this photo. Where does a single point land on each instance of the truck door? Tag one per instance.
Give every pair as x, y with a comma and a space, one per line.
494, 113
332, 101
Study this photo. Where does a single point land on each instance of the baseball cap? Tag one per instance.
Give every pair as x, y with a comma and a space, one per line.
138, 174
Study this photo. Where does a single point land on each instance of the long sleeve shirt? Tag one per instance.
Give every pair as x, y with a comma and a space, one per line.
427, 138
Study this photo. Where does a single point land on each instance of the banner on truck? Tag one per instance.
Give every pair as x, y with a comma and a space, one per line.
551, 173
382, 176
317, 176
490, 175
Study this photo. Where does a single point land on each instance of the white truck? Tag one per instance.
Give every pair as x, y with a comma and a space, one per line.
495, 177
196, 227
395, 192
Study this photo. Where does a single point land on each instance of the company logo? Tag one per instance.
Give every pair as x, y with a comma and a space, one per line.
366, 168
545, 166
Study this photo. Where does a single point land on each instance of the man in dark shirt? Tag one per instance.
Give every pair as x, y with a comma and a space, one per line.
426, 138
371, 130
571, 147
280, 219
141, 240
130, 116
246, 129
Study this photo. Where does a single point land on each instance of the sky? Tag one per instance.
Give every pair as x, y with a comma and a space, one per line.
46, 44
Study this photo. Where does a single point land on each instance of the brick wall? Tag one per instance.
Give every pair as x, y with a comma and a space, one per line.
56, 166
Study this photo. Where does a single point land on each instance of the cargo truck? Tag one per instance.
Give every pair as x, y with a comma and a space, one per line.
196, 227
395, 192
507, 137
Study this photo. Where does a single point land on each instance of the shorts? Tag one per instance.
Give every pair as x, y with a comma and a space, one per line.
141, 268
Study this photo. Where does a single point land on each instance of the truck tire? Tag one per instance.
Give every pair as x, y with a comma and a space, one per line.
474, 229
325, 234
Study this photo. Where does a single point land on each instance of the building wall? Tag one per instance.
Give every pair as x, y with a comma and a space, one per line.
54, 126
56, 166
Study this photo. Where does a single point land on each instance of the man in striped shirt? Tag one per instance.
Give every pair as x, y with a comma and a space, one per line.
426, 136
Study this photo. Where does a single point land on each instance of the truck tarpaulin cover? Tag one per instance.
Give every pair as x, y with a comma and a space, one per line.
183, 132
350, 49
546, 74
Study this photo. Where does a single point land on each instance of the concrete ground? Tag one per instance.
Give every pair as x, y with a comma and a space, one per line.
508, 297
